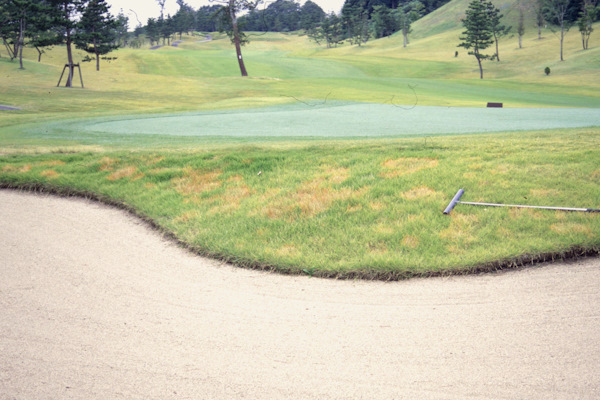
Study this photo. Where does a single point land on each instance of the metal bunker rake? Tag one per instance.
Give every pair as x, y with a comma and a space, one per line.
458, 195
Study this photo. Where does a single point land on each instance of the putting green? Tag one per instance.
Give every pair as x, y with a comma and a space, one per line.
330, 120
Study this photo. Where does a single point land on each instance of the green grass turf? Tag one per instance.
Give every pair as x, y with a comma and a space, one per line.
368, 209
283, 191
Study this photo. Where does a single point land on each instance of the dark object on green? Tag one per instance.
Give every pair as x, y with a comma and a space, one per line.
547, 70
494, 105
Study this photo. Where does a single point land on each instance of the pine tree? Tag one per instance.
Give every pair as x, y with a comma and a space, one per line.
65, 14
498, 30
96, 32
478, 35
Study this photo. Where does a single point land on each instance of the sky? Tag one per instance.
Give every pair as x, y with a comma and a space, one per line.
141, 10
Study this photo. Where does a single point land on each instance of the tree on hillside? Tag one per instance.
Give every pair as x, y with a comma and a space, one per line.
152, 31
24, 22
589, 13
555, 12
97, 30
185, 18
383, 22
356, 22
478, 35
498, 30
228, 13
330, 31
206, 20
65, 18
311, 15
408, 14
538, 8
521, 27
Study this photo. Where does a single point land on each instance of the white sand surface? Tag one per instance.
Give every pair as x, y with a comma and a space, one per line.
95, 305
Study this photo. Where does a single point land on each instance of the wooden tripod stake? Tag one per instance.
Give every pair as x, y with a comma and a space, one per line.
71, 68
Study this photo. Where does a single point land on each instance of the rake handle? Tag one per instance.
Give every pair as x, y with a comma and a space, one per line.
458, 195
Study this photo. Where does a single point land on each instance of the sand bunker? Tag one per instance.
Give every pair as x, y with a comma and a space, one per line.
95, 305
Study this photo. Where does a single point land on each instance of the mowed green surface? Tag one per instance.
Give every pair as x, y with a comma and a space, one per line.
252, 170
305, 120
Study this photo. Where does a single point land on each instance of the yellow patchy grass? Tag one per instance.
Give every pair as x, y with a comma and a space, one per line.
543, 193
288, 250
51, 174
195, 182
460, 230
127, 172
529, 213
420, 193
406, 166
410, 241
51, 163
231, 199
566, 228
106, 164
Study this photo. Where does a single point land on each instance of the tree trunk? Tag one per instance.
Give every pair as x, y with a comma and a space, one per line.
21, 43
497, 51
480, 68
520, 41
236, 38
97, 56
68, 42
405, 34
562, 39
70, 61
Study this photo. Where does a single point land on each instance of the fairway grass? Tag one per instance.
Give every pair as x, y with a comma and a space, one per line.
369, 209
328, 162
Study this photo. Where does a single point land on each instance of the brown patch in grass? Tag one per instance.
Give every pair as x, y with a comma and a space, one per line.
410, 241
501, 169
505, 233
596, 174
107, 163
384, 229
188, 216
543, 192
50, 174
230, 201
565, 228
194, 182
51, 163
316, 196
420, 193
127, 172
335, 175
9, 168
288, 250
406, 166
460, 228
377, 205
25, 168
353, 208
378, 248
517, 213
311, 198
